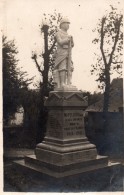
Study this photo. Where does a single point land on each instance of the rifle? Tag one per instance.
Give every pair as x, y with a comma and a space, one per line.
69, 71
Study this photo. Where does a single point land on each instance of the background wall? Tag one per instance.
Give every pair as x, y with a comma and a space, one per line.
109, 142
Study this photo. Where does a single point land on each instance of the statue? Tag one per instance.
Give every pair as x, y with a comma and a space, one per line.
63, 69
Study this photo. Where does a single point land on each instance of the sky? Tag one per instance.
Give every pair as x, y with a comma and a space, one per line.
21, 20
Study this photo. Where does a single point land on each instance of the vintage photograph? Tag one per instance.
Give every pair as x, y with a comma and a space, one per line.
62, 96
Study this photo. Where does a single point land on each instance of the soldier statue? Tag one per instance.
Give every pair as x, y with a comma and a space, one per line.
63, 69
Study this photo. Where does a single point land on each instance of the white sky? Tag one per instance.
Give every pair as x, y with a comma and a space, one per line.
21, 20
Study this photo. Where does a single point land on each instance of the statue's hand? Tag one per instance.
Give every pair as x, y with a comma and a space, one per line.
72, 69
71, 40
69, 37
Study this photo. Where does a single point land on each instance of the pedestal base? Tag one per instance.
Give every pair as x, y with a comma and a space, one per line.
58, 171
66, 88
65, 154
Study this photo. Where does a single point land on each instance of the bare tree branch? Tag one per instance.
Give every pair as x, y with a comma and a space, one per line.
34, 57
116, 40
117, 62
120, 73
102, 40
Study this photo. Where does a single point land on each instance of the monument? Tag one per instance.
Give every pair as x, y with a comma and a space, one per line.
65, 150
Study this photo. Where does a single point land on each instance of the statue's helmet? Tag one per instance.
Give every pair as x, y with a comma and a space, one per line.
64, 20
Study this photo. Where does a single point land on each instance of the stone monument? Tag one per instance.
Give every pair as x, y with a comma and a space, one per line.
65, 149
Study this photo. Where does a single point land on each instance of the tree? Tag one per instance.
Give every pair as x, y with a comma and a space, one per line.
13, 79
46, 66
110, 40
10, 100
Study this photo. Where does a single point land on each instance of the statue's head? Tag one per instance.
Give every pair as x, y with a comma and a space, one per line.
64, 23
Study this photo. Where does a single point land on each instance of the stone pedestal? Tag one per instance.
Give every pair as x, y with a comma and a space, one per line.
65, 150
65, 141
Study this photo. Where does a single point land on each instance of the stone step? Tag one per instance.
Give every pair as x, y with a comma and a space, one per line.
58, 171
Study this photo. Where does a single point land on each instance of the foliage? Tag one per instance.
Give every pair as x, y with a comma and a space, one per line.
13, 79
110, 40
95, 97
92, 98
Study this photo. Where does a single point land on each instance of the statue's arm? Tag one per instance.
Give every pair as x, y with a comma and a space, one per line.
72, 42
60, 40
